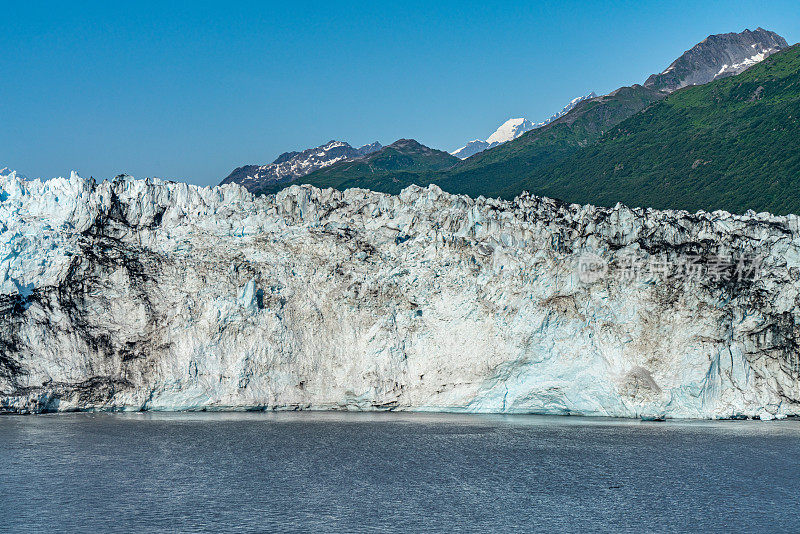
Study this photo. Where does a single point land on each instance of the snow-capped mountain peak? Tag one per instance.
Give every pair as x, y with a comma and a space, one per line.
511, 129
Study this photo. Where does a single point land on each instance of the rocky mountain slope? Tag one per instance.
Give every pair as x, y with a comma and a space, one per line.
291, 165
718, 56
147, 295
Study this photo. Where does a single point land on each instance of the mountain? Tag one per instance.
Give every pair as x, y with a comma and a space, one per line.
396, 164
732, 144
291, 165
717, 56
513, 128
569, 158
498, 172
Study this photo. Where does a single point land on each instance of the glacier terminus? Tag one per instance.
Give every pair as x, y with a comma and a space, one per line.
150, 295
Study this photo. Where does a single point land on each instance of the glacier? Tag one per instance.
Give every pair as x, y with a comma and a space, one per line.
151, 295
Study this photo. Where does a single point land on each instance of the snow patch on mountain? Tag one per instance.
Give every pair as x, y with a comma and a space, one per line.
736, 68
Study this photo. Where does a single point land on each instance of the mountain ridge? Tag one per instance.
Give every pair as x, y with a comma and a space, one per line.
291, 165
507, 169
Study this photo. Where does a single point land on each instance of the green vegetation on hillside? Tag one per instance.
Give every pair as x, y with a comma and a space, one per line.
732, 144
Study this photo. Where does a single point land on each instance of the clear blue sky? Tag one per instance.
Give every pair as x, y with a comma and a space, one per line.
192, 90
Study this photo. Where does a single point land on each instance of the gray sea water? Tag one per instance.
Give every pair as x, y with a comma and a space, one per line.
332, 472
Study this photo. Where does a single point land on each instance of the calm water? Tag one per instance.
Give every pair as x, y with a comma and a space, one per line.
394, 472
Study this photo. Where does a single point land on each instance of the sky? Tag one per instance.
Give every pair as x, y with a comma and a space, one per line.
189, 91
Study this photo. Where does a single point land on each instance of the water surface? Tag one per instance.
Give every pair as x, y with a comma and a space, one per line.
394, 472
